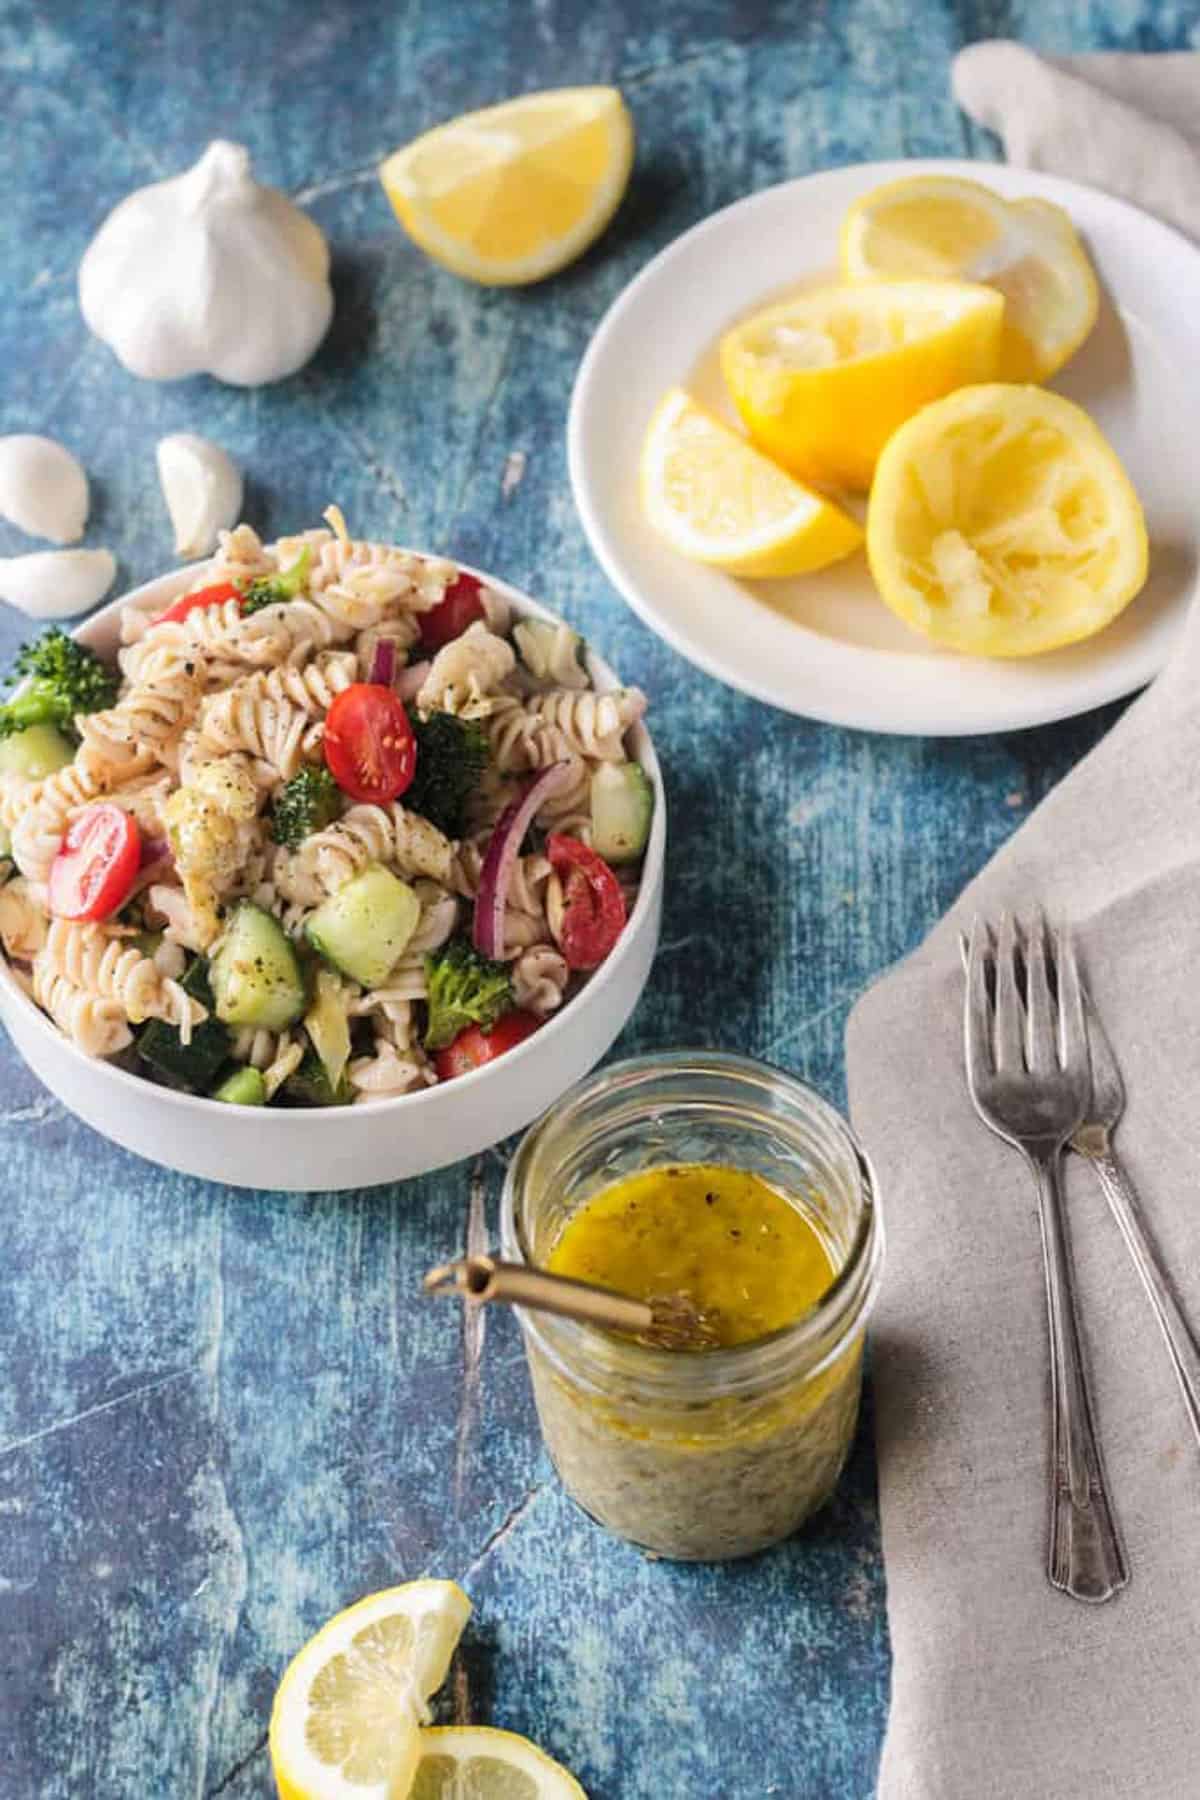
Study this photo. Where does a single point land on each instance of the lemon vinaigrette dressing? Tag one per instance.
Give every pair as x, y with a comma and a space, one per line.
742, 1253
735, 1195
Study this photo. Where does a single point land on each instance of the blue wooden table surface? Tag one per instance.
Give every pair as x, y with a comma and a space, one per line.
223, 1414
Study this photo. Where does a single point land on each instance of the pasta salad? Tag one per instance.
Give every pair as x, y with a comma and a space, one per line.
336, 827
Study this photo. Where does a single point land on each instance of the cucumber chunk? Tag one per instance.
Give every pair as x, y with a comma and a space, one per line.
328, 1026
254, 972
363, 928
192, 1066
35, 752
245, 1087
622, 808
310, 1085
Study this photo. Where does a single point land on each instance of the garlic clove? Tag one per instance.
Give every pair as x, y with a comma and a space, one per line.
43, 489
202, 487
56, 584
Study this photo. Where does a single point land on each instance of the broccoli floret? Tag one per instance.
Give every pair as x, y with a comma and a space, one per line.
64, 678
309, 802
451, 757
269, 589
463, 988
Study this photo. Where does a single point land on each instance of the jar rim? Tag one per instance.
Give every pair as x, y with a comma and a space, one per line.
825, 1327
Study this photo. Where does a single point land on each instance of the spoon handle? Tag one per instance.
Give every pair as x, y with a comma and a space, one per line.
480, 1279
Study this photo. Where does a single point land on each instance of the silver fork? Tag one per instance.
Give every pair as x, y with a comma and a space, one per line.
1092, 1139
1030, 1081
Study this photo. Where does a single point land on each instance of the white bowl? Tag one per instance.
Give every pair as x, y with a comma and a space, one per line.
354, 1146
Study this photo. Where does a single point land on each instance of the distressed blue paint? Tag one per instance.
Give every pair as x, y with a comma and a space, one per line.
222, 1416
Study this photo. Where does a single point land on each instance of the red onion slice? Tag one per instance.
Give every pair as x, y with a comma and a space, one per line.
154, 850
504, 845
383, 663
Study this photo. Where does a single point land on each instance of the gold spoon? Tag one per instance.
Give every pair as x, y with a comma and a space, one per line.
672, 1322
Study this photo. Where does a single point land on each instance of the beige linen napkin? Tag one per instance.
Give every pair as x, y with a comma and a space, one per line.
1003, 1688
1127, 123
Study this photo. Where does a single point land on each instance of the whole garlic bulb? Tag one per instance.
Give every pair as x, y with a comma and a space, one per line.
209, 273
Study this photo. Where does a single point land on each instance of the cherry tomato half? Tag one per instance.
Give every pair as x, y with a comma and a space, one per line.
474, 1047
458, 607
92, 874
189, 603
370, 749
594, 910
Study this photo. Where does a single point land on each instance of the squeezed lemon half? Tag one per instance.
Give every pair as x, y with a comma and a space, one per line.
1001, 523
513, 193
717, 500
346, 1719
823, 380
941, 227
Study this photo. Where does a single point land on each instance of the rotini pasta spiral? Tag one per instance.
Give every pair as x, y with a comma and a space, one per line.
423, 578
246, 718
95, 1024
539, 978
366, 834
439, 916
163, 655
105, 964
146, 722
519, 742
241, 558
589, 724
388, 1073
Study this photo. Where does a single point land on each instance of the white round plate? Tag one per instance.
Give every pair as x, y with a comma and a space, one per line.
824, 645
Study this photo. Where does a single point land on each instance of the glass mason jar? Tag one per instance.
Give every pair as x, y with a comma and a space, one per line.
714, 1453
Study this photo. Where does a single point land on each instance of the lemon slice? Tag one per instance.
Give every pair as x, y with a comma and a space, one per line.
938, 226
716, 500
345, 1724
1001, 523
510, 194
473, 1762
822, 381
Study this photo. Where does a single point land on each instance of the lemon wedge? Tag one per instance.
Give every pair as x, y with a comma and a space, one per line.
346, 1719
941, 227
822, 381
1001, 523
513, 193
717, 501
474, 1762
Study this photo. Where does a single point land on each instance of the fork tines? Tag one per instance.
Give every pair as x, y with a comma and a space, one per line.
1025, 999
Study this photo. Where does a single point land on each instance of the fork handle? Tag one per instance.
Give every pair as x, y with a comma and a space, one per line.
1086, 1559
1126, 1210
